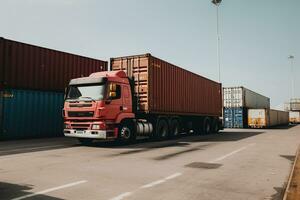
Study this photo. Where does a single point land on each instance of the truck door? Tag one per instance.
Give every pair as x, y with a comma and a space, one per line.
127, 104
115, 105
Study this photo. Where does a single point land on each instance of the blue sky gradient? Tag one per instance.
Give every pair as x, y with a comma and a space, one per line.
256, 36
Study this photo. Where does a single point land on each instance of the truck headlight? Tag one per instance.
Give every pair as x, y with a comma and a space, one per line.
67, 126
96, 126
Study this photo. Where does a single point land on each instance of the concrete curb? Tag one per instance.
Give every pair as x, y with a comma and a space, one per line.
291, 175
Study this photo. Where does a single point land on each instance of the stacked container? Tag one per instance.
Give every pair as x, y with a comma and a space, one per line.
264, 118
295, 104
237, 101
294, 117
32, 83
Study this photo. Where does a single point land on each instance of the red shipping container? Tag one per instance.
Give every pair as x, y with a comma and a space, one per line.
25, 66
163, 88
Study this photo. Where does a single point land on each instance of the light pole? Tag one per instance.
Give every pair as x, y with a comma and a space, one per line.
291, 58
217, 3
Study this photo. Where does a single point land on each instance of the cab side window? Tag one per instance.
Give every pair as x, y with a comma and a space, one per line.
118, 92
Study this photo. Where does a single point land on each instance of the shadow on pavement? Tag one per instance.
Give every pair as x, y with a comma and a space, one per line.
289, 157
183, 141
279, 193
140, 145
35, 145
10, 191
282, 127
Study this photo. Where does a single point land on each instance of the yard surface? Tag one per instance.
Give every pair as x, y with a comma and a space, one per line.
235, 164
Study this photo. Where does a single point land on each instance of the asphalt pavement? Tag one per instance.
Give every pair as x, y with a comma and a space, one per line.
235, 164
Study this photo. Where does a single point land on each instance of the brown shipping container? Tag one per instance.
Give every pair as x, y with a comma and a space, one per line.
164, 88
25, 66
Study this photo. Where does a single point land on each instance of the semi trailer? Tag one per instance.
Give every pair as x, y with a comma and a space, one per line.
144, 96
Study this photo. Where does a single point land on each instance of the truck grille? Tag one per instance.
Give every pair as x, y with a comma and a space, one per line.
80, 126
81, 105
80, 114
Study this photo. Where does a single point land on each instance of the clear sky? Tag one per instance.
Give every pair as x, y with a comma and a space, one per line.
256, 36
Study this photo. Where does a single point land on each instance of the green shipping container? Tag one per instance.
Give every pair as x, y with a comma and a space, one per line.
30, 114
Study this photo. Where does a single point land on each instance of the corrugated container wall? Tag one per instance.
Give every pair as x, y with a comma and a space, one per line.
164, 88
235, 118
30, 114
235, 97
295, 104
24, 66
263, 118
282, 117
294, 117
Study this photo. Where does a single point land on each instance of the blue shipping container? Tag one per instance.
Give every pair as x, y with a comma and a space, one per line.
235, 117
30, 114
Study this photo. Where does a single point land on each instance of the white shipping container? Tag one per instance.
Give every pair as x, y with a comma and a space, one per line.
235, 97
295, 104
263, 118
294, 117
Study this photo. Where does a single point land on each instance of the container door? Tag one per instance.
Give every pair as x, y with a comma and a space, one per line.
238, 118
229, 119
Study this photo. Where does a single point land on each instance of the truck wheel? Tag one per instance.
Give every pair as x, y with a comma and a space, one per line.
206, 126
174, 128
215, 128
85, 141
126, 132
162, 129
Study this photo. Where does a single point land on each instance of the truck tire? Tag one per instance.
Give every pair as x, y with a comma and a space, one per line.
215, 127
174, 128
206, 126
162, 129
126, 132
85, 141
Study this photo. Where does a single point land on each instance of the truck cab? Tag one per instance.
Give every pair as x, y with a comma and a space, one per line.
95, 105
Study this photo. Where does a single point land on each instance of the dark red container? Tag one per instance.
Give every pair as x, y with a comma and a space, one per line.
25, 66
164, 88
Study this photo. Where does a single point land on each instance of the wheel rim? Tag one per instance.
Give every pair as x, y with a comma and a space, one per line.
207, 127
176, 131
163, 131
125, 133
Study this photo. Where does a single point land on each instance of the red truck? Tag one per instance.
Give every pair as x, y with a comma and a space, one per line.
141, 96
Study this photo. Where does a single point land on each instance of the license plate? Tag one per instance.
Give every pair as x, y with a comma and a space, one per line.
79, 132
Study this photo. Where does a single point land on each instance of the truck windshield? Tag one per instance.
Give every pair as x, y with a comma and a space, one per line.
90, 92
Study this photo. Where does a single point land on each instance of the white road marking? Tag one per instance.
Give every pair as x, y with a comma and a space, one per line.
122, 196
126, 194
51, 190
173, 176
161, 181
231, 153
153, 183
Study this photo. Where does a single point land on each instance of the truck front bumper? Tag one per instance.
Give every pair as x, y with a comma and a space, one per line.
93, 134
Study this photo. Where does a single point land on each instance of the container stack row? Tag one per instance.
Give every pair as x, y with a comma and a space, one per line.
32, 83
293, 107
264, 118
237, 102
